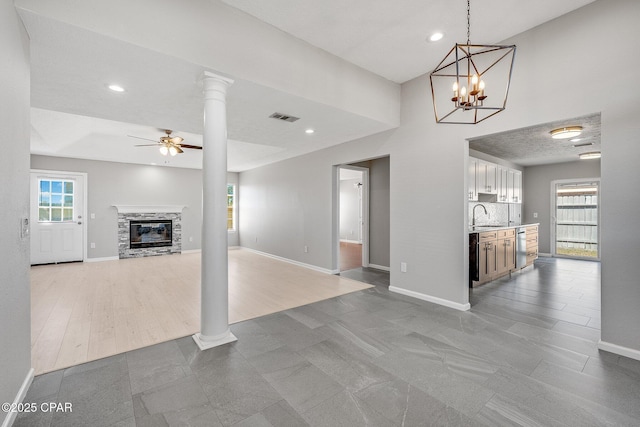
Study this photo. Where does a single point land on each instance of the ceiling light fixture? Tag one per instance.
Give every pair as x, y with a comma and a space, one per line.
464, 71
566, 132
164, 150
590, 155
436, 37
309, 131
116, 88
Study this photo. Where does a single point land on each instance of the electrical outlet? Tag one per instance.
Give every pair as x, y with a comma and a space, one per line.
306, 249
256, 239
93, 216
403, 267
93, 245
191, 238
535, 214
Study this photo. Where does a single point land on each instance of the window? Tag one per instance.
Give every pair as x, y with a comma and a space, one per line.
231, 207
55, 201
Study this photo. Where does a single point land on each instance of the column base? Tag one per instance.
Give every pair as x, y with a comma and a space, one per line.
205, 343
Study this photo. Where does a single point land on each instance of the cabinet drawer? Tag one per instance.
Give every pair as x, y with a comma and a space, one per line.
488, 235
532, 229
511, 232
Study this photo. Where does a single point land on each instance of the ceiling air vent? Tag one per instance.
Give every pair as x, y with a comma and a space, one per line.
583, 144
284, 117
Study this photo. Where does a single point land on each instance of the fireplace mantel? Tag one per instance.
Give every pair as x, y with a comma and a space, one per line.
127, 209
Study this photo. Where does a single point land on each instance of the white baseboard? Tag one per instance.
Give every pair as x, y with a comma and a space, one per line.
618, 349
11, 416
290, 261
429, 298
106, 258
192, 251
379, 267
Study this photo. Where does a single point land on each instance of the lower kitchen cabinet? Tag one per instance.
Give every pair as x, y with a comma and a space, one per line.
506, 251
493, 254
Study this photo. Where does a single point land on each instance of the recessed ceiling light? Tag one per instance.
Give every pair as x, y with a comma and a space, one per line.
116, 88
435, 37
309, 131
566, 132
590, 155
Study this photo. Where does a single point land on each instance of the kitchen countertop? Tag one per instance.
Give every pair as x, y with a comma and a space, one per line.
481, 228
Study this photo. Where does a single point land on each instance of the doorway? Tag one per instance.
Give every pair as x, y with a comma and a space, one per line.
57, 214
575, 216
353, 217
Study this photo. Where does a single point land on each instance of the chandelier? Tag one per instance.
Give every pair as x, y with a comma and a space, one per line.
465, 86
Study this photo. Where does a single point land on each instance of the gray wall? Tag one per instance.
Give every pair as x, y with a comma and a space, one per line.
537, 192
15, 311
112, 183
290, 203
379, 210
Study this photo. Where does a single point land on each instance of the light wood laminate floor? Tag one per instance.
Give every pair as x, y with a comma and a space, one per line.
86, 311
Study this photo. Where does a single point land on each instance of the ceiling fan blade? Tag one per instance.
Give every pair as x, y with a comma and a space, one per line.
148, 145
196, 147
176, 139
178, 149
139, 137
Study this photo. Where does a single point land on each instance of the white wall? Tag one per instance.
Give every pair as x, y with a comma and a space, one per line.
350, 210
537, 191
112, 183
15, 308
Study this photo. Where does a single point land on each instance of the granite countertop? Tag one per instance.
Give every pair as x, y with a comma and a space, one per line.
480, 227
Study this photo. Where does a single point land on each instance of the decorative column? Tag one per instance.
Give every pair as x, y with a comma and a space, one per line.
214, 305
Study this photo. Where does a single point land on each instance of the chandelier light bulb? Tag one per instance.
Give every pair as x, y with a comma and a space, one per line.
164, 150
173, 151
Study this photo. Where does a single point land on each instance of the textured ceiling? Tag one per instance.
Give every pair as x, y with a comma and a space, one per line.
76, 116
534, 146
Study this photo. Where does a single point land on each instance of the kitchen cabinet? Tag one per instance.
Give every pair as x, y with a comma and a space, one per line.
532, 243
493, 252
487, 256
505, 251
472, 173
503, 184
514, 186
487, 177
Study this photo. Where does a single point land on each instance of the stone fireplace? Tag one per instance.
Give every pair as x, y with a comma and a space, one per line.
149, 230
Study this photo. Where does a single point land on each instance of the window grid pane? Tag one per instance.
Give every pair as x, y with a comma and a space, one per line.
55, 201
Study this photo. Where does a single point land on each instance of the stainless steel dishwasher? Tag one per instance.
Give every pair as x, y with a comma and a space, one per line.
521, 247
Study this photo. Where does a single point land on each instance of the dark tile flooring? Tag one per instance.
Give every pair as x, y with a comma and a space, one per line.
525, 354
372, 276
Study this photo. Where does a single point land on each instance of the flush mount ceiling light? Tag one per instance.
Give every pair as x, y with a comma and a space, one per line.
472, 72
590, 155
566, 132
309, 131
116, 88
436, 37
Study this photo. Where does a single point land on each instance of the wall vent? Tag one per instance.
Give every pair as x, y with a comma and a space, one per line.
284, 117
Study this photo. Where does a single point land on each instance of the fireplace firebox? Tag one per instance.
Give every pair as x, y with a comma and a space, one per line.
150, 233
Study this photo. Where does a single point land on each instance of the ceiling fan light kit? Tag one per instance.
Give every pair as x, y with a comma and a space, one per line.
168, 145
464, 79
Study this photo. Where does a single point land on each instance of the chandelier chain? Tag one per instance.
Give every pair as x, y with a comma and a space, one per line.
468, 22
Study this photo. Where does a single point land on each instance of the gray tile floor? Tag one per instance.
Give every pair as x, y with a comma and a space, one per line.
368, 275
524, 355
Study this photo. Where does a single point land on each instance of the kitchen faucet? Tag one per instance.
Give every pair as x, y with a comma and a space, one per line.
473, 216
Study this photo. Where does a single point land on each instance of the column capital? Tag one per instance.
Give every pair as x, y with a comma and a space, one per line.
207, 75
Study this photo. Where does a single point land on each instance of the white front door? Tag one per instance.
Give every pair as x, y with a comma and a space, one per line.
57, 217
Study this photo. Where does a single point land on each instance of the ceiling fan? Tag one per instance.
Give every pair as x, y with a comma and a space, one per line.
168, 145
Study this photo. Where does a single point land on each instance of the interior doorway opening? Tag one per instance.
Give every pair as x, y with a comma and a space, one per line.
353, 217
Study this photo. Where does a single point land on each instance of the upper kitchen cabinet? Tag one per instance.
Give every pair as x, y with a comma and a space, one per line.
487, 177
514, 186
473, 171
490, 178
